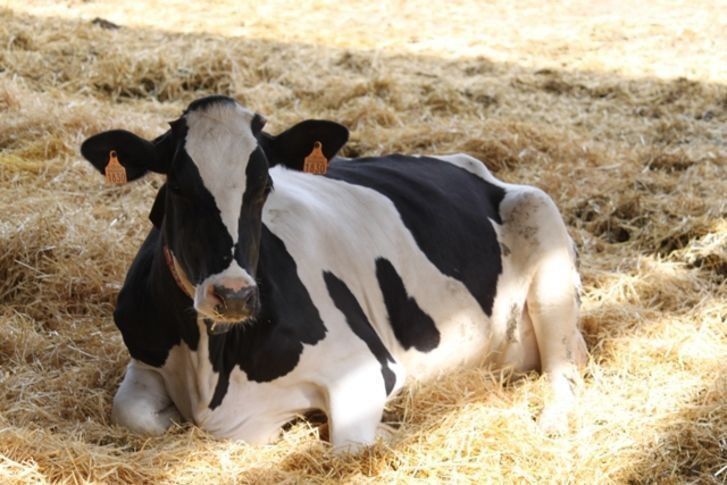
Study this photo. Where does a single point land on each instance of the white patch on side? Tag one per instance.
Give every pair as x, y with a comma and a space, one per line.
219, 142
323, 222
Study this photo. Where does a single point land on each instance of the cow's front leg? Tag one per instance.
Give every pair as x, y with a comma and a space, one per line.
142, 404
355, 406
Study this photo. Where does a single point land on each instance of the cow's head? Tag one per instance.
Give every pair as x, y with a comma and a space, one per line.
216, 158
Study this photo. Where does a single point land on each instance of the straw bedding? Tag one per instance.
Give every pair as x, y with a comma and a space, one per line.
588, 105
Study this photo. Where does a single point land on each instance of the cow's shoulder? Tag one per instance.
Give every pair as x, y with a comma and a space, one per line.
152, 313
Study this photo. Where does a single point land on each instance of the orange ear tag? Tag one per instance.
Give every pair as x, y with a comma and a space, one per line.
114, 171
316, 162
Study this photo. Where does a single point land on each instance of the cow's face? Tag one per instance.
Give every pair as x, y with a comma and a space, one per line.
216, 187
217, 159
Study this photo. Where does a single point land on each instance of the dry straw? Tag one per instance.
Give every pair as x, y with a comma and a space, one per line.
636, 164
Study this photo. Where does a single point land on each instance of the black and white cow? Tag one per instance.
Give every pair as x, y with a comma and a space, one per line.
263, 292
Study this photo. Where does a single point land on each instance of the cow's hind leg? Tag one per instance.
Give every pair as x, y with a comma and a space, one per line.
142, 404
552, 304
546, 254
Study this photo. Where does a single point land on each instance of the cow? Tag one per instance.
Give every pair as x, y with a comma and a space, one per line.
263, 291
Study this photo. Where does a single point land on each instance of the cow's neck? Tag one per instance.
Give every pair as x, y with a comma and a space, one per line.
173, 302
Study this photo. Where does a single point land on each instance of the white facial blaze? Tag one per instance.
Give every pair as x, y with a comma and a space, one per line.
219, 142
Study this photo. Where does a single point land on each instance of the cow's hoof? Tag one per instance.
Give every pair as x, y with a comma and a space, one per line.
170, 416
349, 449
142, 420
553, 421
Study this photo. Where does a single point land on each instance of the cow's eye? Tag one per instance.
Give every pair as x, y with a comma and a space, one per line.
266, 191
176, 190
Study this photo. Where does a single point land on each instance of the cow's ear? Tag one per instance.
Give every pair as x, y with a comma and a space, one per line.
134, 153
291, 147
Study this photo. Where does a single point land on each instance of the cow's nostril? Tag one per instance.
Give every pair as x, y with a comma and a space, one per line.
218, 292
246, 294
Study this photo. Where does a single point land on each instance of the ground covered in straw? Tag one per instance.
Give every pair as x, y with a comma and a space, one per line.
619, 112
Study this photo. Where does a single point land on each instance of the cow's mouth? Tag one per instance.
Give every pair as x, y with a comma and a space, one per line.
216, 327
218, 322
219, 325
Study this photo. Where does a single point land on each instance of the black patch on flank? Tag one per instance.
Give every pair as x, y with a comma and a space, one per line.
446, 209
356, 319
270, 346
412, 327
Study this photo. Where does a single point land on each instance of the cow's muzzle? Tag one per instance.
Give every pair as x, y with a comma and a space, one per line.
226, 299
235, 304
